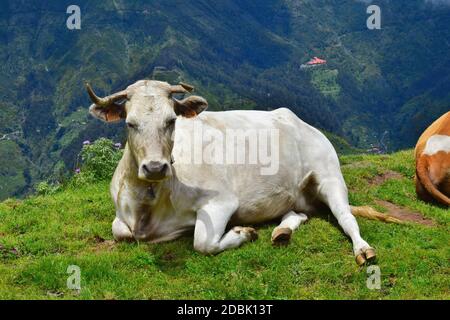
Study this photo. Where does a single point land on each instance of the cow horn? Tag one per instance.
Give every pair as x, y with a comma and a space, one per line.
106, 101
181, 88
186, 86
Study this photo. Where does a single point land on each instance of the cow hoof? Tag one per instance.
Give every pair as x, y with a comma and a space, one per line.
370, 255
360, 259
281, 236
253, 234
250, 233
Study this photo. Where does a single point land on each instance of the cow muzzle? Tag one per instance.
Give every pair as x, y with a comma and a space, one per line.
154, 171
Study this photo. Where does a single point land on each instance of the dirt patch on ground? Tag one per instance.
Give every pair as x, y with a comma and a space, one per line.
404, 214
102, 244
381, 178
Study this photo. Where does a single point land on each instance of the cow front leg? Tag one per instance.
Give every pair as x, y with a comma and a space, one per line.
121, 231
281, 235
210, 226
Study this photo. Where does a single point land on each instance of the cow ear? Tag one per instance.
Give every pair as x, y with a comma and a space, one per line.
112, 113
190, 106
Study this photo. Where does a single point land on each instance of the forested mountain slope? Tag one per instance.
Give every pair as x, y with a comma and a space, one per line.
239, 54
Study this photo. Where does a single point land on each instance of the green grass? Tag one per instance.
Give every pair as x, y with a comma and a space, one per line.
325, 81
41, 236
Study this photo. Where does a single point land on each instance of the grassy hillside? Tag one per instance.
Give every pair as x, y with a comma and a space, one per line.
42, 235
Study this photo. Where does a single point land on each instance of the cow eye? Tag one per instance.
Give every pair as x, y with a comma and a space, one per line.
131, 125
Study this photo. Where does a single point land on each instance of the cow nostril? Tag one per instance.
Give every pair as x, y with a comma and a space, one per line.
145, 169
163, 168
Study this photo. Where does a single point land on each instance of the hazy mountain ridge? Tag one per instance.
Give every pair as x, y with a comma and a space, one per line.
239, 54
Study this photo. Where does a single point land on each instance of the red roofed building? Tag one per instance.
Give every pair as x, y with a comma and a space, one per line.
316, 61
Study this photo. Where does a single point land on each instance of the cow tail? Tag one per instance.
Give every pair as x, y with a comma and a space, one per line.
424, 179
371, 213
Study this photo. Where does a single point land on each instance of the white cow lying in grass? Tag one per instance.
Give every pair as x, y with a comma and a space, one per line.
160, 192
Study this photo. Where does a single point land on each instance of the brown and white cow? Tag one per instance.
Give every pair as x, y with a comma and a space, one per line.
433, 162
159, 192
